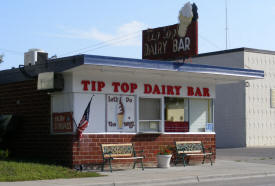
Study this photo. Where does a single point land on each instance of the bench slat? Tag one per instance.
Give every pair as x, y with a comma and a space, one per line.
129, 158
198, 154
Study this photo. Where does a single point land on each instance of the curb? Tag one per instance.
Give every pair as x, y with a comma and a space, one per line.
184, 180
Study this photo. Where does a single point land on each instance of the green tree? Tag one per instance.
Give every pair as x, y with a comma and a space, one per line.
1, 58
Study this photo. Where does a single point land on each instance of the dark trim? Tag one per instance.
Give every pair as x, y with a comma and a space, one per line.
243, 49
55, 65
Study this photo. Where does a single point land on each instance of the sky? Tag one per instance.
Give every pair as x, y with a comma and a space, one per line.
114, 27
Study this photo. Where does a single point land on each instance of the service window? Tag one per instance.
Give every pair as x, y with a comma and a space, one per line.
201, 111
176, 114
149, 114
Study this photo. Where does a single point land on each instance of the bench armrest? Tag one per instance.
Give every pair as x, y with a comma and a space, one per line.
207, 149
139, 152
109, 153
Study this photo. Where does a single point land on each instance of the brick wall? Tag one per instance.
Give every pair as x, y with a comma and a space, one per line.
87, 150
33, 140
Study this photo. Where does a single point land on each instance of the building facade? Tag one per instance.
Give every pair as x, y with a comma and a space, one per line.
244, 113
149, 103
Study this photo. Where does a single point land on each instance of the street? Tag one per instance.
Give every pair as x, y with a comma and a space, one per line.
264, 181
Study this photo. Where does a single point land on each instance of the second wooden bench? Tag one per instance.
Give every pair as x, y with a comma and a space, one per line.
191, 148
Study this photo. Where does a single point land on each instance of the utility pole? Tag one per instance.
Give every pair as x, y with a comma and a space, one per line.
226, 26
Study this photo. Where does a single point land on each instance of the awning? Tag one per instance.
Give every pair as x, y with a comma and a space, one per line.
198, 73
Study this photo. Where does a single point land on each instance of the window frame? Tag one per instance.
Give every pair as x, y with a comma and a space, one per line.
161, 122
162, 110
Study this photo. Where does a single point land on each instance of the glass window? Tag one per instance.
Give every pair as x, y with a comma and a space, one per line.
201, 113
176, 115
149, 114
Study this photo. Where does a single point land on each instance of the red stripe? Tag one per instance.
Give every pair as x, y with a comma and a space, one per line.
82, 127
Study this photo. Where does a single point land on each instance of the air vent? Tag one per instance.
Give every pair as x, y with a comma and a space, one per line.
34, 56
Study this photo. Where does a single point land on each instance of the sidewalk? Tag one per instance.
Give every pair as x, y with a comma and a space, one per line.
221, 170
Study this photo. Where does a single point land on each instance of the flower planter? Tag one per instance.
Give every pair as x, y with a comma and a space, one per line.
164, 161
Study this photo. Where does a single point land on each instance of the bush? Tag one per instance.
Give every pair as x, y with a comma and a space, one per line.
4, 154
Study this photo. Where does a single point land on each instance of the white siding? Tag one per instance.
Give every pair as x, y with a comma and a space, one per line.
260, 117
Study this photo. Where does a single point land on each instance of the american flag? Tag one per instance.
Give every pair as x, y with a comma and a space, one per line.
84, 120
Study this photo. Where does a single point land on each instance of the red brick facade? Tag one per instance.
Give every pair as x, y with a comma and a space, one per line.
33, 139
87, 151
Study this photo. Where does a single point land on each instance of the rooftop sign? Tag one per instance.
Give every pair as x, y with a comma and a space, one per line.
175, 41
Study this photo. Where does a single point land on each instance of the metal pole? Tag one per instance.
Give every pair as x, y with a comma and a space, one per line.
226, 26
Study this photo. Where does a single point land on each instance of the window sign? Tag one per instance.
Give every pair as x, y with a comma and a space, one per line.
209, 127
121, 113
176, 114
62, 122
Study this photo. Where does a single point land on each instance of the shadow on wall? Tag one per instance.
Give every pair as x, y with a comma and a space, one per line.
145, 137
8, 126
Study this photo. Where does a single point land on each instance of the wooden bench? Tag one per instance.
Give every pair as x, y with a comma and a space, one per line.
191, 148
124, 151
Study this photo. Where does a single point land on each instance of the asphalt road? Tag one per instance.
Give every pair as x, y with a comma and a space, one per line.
251, 155
265, 181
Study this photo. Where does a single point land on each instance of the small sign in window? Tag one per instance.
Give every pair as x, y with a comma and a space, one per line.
209, 127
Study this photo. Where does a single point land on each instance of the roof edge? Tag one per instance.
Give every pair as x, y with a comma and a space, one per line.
242, 49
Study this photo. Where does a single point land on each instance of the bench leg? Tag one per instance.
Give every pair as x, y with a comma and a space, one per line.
135, 161
184, 161
141, 162
210, 160
110, 164
203, 159
102, 166
176, 160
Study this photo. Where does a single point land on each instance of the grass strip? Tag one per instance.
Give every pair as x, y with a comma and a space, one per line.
26, 171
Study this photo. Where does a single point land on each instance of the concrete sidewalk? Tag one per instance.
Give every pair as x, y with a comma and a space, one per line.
179, 175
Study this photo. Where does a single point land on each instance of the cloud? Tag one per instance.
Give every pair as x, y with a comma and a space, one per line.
128, 34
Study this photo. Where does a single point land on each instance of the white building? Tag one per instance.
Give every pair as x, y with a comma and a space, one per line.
244, 113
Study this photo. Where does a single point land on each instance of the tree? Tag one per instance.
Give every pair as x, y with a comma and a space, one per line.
1, 58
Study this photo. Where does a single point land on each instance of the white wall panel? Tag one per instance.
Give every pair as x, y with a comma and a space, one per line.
260, 117
97, 121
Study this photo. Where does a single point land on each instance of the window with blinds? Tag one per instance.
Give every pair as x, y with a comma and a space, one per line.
200, 114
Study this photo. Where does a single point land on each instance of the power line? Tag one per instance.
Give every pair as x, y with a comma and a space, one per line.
111, 41
12, 51
210, 42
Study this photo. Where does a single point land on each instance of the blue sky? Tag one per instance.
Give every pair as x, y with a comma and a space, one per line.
113, 27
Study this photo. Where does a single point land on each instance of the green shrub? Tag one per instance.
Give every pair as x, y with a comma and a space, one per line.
4, 154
